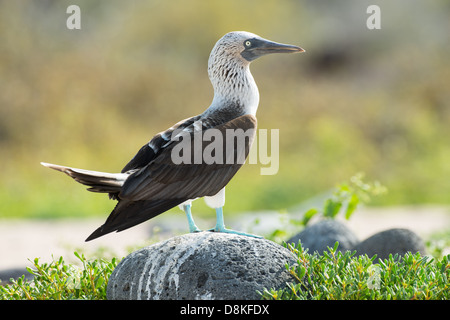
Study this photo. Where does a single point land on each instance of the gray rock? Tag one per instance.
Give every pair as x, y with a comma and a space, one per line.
391, 241
203, 265
7, 275
325, 233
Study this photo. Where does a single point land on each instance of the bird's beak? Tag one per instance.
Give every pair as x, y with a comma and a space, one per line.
267, 47
261, 47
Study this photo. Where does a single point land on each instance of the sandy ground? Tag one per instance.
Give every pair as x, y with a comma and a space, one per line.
21, 240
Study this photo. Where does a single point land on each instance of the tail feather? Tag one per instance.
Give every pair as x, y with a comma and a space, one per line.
96, 181
127, 213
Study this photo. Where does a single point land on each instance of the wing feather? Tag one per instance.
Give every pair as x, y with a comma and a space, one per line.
163, 178
161, 184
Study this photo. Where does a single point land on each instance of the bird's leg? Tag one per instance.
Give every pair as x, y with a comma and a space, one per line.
220, 226
192, 226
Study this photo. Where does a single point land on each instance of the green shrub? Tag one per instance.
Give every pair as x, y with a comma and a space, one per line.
61, 281
332, 276
344, 276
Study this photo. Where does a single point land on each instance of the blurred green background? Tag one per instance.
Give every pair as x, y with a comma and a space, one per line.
358, 100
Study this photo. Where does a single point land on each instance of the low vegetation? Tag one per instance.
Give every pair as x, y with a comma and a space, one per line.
59, 280
344, 276
331, 275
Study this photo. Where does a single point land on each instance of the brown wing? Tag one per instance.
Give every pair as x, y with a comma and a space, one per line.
162, 184
152, 149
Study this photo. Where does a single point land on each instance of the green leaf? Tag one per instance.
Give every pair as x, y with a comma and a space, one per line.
336, 245
308, 215
331, 208
351, 206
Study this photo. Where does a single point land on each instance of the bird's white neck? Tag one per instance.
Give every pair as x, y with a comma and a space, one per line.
233, 85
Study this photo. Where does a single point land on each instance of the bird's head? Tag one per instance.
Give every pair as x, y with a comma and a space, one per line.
228, 67
243, 47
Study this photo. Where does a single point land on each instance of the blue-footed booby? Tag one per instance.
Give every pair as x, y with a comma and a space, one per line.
152, 183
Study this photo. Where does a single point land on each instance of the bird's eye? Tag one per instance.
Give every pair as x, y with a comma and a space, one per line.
248, 43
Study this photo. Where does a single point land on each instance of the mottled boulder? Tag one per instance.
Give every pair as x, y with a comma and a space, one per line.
325, 233
392, 241
203, 265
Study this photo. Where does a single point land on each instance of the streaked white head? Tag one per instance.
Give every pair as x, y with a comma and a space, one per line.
228, 68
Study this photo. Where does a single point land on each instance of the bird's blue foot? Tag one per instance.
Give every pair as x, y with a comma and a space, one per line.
192, 226
220, 226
